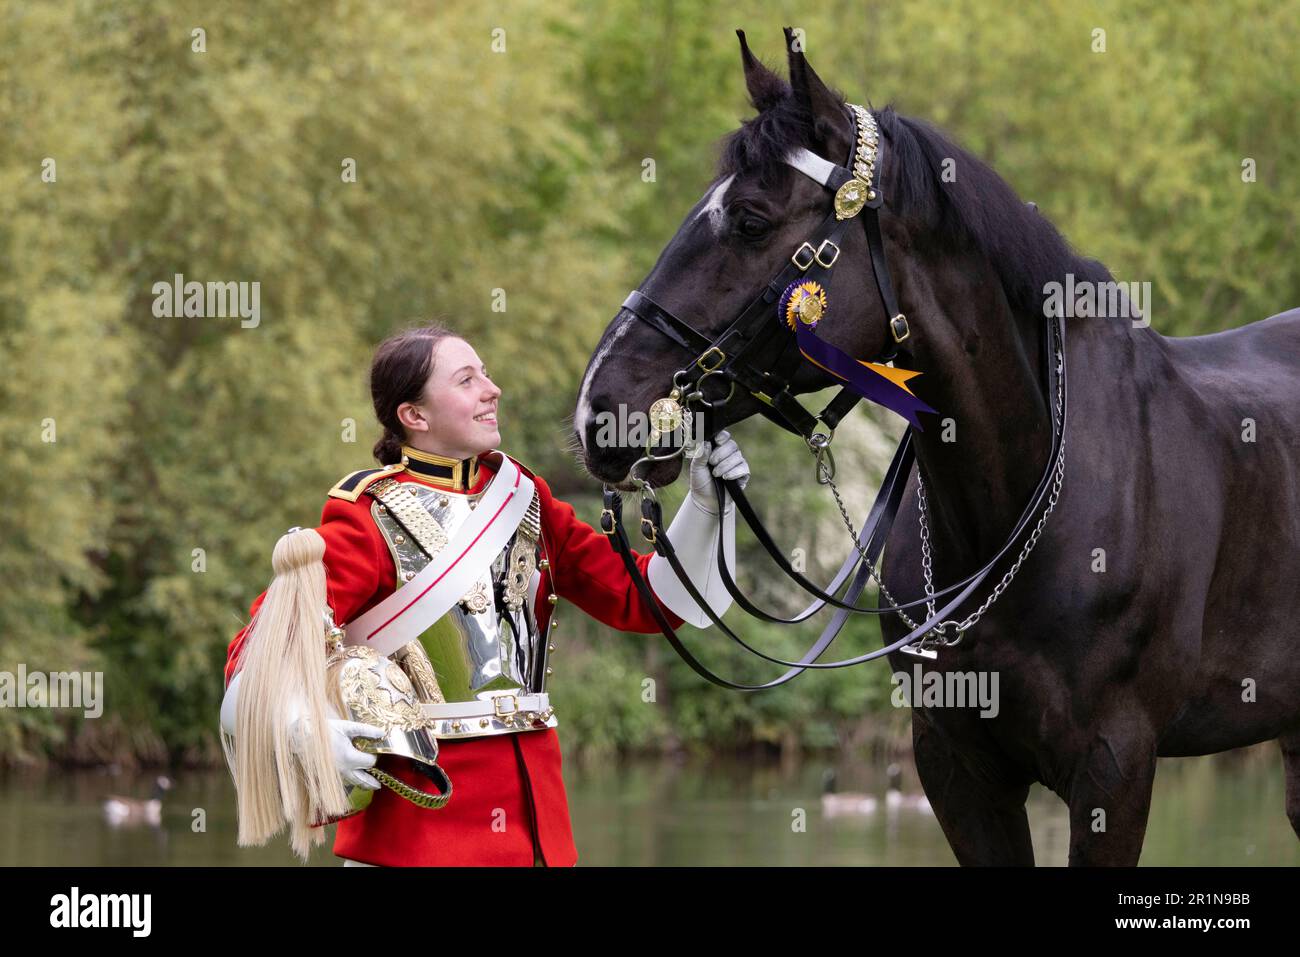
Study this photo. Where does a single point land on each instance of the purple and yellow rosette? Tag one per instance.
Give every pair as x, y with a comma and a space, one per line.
801, 306
802, 303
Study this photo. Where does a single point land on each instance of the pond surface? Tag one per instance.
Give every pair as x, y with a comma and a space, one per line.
1218, 810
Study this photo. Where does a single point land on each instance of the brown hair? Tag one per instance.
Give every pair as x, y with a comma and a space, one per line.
402, 365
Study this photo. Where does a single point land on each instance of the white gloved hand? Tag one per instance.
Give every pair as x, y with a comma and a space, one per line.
722, 459
349, 760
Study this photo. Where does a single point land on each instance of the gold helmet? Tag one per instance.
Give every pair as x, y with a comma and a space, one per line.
375, 690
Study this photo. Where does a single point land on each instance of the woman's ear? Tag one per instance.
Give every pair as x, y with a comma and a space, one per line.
412, 418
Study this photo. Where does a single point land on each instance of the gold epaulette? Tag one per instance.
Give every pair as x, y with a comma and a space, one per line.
351, 487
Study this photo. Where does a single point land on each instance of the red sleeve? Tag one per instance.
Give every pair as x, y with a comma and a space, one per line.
587, 571
358, 569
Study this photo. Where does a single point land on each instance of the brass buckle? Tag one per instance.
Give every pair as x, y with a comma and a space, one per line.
818, 254
613, 526
899, 322
496, 705
812, 257
648, 531
722, 357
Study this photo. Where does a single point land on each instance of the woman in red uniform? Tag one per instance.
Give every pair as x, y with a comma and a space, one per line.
389, 527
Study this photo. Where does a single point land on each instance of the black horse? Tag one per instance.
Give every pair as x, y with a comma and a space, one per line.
1157, 615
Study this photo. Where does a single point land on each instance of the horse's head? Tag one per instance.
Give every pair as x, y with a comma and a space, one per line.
755, 215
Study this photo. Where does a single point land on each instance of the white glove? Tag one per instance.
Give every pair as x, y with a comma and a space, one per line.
348, 759
694, 533
723, 460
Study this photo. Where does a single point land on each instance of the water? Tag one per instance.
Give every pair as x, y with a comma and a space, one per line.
1218, 810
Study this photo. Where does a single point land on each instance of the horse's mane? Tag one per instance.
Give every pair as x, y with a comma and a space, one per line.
978, 209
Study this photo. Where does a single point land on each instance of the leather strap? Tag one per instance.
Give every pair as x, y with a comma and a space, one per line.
722, 488
875, 531
482, 709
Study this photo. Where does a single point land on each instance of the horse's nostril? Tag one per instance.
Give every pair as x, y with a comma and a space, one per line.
602, 408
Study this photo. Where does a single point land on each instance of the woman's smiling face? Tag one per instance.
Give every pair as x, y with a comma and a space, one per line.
457, 412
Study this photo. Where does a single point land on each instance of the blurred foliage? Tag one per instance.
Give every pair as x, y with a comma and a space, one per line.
518, 171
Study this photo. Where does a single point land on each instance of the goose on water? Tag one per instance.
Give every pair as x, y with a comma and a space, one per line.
122, 811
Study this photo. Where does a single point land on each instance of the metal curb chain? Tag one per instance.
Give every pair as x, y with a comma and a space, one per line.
825, 479
938, 634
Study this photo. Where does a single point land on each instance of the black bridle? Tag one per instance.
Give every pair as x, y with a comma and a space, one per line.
747, 353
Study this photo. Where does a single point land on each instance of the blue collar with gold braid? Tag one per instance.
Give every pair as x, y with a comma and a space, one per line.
457, 475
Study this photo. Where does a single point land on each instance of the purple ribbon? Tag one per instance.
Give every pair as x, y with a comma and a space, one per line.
866, 382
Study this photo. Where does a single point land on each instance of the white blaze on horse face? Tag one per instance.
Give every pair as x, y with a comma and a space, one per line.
584, 402
713, 206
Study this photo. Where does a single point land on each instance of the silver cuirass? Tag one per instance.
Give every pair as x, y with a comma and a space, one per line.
481, 668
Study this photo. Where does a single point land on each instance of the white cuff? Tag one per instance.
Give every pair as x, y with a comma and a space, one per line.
229, 703
294, 709
694, 535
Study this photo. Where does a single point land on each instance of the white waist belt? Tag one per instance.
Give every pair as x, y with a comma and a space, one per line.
503, 714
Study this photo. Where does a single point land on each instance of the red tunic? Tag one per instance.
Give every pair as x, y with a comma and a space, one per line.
508, 805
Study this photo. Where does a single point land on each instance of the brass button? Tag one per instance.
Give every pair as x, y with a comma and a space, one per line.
400, 539
544, 564
407, 576
444, 501
549, 671
551, 646
482, 722
455, 726
552, 598
555, 623
383, 508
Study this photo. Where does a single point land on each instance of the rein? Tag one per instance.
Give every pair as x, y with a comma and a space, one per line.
738, 355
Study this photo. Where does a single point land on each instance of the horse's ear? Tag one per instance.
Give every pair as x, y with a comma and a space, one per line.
822, 105
765, 87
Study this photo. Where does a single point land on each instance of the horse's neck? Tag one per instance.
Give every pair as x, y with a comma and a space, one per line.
982, 457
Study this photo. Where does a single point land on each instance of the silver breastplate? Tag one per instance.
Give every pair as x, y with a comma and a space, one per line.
488, 642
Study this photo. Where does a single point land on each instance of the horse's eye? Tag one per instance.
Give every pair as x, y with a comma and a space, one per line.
752, 227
